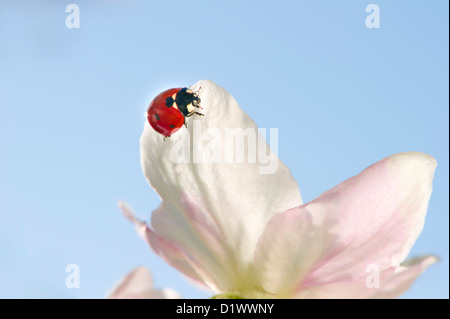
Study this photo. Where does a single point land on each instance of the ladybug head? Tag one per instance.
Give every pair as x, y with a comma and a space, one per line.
187, 101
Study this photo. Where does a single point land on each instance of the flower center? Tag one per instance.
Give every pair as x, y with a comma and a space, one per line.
256, 293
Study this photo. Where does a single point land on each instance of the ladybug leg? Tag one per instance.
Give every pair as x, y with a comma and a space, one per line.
190, 114
185, 124
164, 139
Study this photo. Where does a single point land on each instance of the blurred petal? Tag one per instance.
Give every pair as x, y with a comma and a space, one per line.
233, 201
169, 293
370, 219
403, 277
138, 284
168, 251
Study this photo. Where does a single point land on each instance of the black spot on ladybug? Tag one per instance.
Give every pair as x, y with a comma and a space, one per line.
156, 116
172, 126
169, 101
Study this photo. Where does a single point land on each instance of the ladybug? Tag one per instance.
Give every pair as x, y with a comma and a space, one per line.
168, 111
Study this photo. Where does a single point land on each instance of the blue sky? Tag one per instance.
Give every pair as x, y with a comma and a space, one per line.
72, 104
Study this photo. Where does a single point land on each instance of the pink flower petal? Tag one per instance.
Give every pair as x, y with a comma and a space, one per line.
403, 277
138, 284
392, 282
200, 237
370, 219
168, 251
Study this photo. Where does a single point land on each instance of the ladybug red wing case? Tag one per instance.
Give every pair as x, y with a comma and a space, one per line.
168, 111
165, 119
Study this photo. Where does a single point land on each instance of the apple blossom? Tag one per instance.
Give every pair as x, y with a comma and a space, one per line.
243, 233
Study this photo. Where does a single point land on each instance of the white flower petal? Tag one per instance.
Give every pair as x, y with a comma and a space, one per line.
290, 245
236, 199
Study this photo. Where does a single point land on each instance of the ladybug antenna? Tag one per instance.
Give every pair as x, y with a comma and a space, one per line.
198, 92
